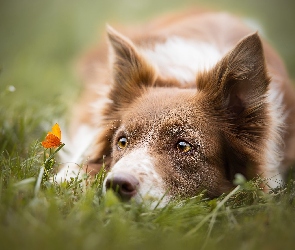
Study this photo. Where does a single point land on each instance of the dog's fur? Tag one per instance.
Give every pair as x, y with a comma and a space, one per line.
198, 97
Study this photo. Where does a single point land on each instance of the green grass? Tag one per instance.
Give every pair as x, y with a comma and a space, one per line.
40, 42
71, 216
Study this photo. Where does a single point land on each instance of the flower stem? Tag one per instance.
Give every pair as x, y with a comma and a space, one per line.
53, 154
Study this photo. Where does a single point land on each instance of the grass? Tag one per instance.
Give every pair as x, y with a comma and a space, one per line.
71, 216
39, 41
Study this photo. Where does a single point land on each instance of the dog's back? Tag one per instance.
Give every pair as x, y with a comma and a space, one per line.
242, 120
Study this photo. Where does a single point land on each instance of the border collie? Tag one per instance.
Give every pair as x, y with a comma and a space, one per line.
181, 105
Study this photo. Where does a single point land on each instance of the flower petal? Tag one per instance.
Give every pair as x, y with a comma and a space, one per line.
51, 141
56, 130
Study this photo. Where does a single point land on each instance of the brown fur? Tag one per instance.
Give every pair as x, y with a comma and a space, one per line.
225, 110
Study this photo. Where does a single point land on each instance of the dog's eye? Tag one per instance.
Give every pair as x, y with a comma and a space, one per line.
122, 143
183, 146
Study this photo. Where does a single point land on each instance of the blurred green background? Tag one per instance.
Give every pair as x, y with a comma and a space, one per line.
41, 40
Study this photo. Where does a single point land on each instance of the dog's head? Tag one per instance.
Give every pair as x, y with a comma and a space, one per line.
169, 141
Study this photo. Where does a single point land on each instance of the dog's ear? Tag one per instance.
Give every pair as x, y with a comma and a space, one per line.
239, 81
132, 74
235, 92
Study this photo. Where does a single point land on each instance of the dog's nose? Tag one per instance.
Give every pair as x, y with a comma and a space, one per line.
126, 185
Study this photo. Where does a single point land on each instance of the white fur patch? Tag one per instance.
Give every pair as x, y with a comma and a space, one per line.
273, 145
140, 164
83, 139
181, 58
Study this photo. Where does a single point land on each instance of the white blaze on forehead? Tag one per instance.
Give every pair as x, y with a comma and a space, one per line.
182, 58
140, 164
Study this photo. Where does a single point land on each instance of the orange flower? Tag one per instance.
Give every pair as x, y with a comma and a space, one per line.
53, 138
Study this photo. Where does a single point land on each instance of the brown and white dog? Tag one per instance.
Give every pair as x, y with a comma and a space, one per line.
181, 105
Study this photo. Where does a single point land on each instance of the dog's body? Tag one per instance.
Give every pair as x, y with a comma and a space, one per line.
182, 105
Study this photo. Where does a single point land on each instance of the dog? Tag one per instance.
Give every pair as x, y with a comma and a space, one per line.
181, 105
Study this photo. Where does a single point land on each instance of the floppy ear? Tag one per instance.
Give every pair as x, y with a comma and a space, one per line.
131, 73
235, 91
239, 81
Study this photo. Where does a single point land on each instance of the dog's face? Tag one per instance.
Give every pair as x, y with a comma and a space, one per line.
171, 142
167, 142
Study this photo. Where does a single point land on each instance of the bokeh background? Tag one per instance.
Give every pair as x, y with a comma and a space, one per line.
40, 41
